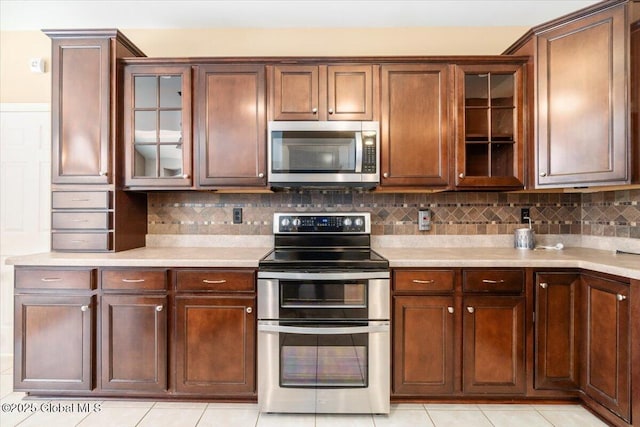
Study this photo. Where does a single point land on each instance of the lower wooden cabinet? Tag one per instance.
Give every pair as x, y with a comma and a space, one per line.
134, 343
607, 352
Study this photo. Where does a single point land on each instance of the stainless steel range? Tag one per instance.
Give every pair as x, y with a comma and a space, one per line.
323, 317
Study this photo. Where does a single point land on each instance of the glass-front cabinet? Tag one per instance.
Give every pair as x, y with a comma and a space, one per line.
489, 146
157, 132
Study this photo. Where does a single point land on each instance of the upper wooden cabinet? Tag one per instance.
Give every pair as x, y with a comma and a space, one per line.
583, 101
415, 124
157, 125
489, 149
324, 92
230, 125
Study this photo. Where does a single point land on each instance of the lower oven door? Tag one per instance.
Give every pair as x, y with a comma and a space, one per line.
324, 368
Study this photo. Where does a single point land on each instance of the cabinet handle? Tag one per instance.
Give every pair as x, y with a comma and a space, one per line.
51, 279
185, 176
79, 220
461, 175
249, 310
261, 175
77, 241
493, 282
133, 280
470, 309
84, 308
213, 282
79, 200
621, 297
450, 309
102, 173
159, 308
543, 285
423, 282
314, 110
543, 174
330, 110
386, 175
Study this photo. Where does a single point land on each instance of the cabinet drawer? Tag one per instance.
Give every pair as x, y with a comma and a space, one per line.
216, 281
133, 278
53, 278
511, 281
423, 280
81, 241
80, 220
80, 200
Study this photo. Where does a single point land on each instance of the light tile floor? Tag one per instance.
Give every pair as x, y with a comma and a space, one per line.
186, 414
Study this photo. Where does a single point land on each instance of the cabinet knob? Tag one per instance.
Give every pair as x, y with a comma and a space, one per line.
261, 175
249, 310
461, 175
314, 110
621, 297
185, 176
386, 175
543, 174
543, 285
470, 309
450, 309
84, 308
159, 308
102, 173
330, 110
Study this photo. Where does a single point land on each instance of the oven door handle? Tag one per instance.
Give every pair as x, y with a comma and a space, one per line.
373, 327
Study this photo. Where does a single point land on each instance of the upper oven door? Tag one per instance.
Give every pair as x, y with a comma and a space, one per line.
323, 152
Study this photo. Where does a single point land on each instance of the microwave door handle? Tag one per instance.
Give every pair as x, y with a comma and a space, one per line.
358, 152
380, 327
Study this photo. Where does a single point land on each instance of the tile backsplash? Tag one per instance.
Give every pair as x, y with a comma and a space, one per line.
611, 213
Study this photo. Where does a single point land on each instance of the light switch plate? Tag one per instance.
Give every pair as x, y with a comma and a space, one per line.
424, 219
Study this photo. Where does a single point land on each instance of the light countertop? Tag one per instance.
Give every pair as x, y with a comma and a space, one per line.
248, 257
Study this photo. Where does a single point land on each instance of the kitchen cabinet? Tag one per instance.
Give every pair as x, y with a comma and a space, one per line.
324, 92
414, 125
230, 123
54, 317
583, 100
489, 149
493, 337
215, 332
157, 125
133, 333
557, 331
424, 334
86, 132
607, 348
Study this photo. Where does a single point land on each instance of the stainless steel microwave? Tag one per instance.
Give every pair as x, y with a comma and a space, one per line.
324, 154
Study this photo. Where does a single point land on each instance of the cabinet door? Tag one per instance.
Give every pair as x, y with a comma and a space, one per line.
493, 345
350, 90
157, 126
490, 129
134, 342
81, 111
231, 125
215, 345
53, 343
415, 125
582, 102
296, 92
423, 348
607, 353
557, 329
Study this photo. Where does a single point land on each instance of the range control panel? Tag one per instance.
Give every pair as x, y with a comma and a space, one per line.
322, 223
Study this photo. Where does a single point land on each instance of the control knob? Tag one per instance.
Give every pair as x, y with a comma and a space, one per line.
296, 222
347, 222
359, 222
285, 222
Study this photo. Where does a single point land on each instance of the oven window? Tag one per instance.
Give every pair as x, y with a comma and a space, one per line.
331, 361
313, 151
323, 294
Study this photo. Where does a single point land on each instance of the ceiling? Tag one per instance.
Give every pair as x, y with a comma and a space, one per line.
18, 15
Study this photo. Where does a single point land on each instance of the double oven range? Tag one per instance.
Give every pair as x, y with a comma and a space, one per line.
323, 317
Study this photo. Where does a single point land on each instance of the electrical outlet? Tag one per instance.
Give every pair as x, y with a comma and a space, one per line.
524, 214
424, 219
237, 215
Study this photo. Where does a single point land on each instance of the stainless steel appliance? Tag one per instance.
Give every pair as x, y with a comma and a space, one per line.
323, 317
324, 154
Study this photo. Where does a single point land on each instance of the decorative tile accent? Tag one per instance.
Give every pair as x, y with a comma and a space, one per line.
612, 213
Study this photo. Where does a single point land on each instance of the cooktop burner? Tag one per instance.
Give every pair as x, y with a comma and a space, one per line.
361, 259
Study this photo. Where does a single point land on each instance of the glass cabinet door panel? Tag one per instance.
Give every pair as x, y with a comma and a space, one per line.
170, 160
145, 161
477, 159
170, 126
502, 159
476, 90
145, 123
146, 92
502, 90
502, 124
170, 92
477, 124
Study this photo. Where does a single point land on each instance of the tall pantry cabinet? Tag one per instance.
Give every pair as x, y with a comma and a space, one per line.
89, 210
